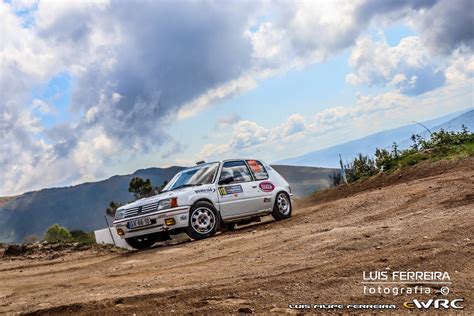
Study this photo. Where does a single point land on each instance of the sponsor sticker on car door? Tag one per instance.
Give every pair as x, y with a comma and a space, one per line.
266, 186
230, 189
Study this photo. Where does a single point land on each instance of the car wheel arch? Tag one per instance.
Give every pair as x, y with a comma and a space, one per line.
205, 200
281, 191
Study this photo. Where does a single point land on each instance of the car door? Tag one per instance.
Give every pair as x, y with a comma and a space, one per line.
242, 196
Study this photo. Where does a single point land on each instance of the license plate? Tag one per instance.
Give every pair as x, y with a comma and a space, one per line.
139, 222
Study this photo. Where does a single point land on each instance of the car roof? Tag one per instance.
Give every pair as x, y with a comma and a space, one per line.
231, 159
224, 160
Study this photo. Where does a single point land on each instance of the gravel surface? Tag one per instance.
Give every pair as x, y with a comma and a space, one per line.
421, 221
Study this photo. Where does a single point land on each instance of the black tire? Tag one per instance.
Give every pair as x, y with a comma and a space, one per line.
141, 242
203, 221
282, 208
229, 227
163, 236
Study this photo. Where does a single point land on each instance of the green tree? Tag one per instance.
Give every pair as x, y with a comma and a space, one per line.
361, 167
395, 150
57, 233
418, 142
112, 208
383, 159
161, 187
141, 188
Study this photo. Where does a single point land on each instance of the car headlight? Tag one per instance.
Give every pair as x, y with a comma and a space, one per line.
168, 203
120, 214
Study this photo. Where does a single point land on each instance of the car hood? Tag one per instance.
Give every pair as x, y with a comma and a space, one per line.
149, 200
162, 196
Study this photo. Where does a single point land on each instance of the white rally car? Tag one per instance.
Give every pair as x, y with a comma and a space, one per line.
204, 199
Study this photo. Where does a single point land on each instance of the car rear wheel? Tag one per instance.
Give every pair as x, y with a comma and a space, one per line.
203, 221
141, 242
282, 207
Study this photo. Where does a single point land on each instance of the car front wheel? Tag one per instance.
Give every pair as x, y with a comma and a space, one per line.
141, 242
282, 207
203, 221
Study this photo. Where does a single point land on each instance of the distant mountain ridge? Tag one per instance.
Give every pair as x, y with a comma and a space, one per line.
78, 207
329, 157
83, 206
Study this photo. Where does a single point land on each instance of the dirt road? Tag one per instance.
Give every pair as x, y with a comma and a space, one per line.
405, 223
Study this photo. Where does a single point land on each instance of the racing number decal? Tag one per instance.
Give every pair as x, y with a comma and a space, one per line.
231, 189
266, 186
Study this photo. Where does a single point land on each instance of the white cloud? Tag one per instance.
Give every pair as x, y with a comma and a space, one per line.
296, 123
91, 114
460, 68
246, 134
92, 151
298, 135
226, 121
267, 43
407, 66
307, 32
226, 90
22, 52
21, 5
42, 106
129, 79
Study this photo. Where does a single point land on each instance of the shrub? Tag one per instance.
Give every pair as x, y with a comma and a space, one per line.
57, 233
335, 179
440, 145
361, 167
82, 237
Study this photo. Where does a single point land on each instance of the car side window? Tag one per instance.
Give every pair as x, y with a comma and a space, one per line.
258, 170
236, 169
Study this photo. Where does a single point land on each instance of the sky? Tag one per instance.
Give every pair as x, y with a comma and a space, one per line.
90, 89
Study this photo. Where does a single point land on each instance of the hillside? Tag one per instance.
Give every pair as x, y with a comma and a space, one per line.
329, 157
82, 206
305, 180
6, 199
76, 207
418, 220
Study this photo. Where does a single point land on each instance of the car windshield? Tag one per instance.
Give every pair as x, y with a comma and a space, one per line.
202, 174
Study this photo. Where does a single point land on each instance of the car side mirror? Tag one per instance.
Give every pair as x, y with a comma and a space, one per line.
226, 180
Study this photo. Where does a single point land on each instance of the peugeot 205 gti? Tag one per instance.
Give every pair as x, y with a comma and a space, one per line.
204, 199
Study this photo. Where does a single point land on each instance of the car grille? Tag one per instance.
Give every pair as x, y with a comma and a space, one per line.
142, 209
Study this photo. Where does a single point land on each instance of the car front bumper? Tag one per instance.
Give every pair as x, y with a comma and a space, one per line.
178, 214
